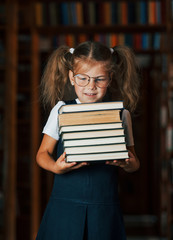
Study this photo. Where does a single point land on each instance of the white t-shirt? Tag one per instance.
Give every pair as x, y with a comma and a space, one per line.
51, 127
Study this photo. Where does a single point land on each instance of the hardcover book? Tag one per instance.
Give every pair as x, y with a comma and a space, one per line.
93, 134
89, 117
90, 107
97, 157
95, 149
92, 131
90, 127
94, 141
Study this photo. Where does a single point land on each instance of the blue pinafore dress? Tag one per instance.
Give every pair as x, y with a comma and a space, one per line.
83, 205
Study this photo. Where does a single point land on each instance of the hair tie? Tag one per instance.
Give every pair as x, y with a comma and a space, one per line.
71, 50
112, 50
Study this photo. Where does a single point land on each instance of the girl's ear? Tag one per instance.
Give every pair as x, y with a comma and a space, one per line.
71, 77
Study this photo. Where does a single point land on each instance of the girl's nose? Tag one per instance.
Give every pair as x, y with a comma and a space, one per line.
92, 84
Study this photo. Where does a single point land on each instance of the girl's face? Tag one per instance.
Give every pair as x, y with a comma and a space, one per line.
91, 92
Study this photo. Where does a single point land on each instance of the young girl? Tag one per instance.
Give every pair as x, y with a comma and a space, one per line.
84, 201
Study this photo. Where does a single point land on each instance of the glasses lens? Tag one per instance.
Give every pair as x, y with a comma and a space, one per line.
81, 79
102, 81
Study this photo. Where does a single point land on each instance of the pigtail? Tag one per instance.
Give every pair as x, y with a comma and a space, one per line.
126, 75
55, 76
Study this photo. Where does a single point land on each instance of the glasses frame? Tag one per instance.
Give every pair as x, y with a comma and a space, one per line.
74, 76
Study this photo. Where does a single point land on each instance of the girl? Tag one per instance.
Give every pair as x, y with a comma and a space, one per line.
84, 201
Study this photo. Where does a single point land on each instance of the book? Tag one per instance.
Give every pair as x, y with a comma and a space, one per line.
89, 127
124, 13
152, 12
132, 17
92, 128
90, 107
38, 14
93, 134
65, 13
95, 149
79, 12
53, 13
94, 141
143, 9
91, 117
97, 157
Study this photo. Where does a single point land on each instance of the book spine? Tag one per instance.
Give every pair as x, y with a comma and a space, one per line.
106, 10
91, 13
65, 14
124, 13
132, 18
38, 14
53, 13
152, 12
143, 12
79, 13
114, 12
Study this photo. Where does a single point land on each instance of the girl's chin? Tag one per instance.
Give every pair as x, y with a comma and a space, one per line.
91, 98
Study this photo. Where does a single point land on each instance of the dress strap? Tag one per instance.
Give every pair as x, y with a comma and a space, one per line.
70, 102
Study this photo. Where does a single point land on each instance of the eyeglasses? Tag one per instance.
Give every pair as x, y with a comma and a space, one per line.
83, 80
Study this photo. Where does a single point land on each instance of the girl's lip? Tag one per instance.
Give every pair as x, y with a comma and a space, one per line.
90, 94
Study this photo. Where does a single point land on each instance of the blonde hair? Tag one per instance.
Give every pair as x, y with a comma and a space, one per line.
120, 62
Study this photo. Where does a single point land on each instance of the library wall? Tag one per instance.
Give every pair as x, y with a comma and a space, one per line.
29, 32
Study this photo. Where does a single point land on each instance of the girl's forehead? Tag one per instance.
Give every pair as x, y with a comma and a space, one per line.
85, 66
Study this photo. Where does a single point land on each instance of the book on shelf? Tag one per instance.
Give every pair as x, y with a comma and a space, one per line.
123, 13
107, 13
138, 41
91, 130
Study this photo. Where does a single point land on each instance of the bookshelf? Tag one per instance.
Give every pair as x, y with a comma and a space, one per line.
29, 32
2, 110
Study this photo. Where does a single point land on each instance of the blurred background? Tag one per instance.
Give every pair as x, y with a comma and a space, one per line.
29, 32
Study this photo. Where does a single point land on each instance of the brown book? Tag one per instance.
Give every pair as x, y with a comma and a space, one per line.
90, 117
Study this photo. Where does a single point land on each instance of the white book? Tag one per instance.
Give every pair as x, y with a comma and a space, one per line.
93, 134
94, 141
82, 107
97, 157
90, 127
95, 149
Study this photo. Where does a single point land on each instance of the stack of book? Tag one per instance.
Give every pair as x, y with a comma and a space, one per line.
92, 131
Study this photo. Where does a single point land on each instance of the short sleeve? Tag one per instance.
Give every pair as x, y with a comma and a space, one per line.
127, 124
51, 128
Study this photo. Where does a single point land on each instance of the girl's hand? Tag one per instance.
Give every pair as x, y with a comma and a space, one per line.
129, 165
61, 166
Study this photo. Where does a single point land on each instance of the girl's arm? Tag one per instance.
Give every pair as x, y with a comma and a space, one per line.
131, 164
45, 158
